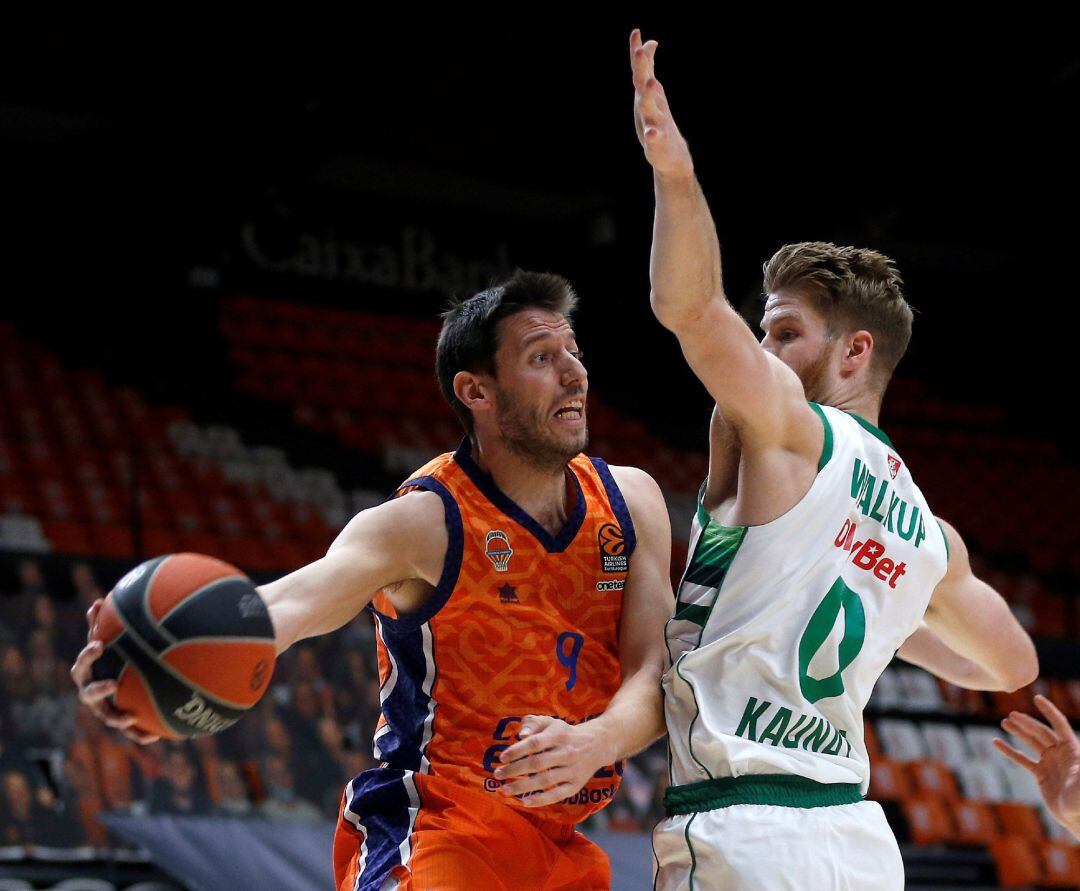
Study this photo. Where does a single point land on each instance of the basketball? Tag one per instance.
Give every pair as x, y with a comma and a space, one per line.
190, 642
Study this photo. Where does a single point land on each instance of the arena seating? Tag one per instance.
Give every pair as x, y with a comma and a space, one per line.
93, 476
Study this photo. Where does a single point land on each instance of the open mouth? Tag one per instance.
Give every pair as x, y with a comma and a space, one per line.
574, 410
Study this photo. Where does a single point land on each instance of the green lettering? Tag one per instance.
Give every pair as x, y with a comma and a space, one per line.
874, 515
834, 744
912, 526
818, 629
894, 500
791, 741
858, 478
750, 716
868, 493
777, 727
922, 532
813, 741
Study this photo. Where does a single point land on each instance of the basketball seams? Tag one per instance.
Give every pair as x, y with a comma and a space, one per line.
194, 595
215, 639
213, 698
151, 698
146, 597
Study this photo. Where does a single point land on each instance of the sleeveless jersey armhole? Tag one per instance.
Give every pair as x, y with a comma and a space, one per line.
827, 445
455, 547
948, 554
617, 502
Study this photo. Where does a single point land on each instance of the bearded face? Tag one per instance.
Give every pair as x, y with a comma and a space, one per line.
530, 430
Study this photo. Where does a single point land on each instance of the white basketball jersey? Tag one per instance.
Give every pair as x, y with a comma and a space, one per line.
781, 631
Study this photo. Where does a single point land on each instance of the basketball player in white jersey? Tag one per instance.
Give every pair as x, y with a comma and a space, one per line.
814, 557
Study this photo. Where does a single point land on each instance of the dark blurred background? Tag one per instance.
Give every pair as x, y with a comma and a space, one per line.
229, 228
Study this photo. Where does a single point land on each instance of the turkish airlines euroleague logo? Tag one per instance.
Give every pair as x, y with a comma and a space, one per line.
612, 548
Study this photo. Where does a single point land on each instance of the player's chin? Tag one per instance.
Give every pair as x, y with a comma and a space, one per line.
573, 434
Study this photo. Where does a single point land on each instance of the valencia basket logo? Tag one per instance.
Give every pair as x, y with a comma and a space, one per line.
612, 548
498, 550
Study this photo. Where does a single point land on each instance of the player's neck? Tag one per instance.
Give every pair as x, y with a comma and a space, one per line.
541, 493
864, 403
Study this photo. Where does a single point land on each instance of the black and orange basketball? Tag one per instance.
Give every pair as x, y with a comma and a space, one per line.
190, 642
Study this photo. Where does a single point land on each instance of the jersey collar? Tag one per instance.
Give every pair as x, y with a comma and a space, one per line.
483, 481
872, 430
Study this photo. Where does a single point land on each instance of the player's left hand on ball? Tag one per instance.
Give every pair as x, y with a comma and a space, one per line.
665, 147
95, 694
552, 761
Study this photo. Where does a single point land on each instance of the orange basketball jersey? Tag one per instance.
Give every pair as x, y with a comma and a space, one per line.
522, 622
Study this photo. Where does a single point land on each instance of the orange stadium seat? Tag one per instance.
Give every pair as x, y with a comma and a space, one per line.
929, 820
975, 823
1061, 865
1017, 861
889, 780
933, 778
1020, 820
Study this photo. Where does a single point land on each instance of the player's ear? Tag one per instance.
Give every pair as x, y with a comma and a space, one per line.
472, 391
857, 352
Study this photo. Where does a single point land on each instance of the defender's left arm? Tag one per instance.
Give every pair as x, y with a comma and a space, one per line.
560, 757
969, 636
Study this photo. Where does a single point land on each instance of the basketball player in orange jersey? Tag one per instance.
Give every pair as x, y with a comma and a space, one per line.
519, 591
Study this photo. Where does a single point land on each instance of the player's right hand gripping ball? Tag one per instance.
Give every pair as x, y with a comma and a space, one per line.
190, 643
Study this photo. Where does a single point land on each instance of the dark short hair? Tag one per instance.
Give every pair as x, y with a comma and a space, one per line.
853, 288
469, 337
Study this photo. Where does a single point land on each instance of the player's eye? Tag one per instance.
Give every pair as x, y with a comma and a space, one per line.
787, 335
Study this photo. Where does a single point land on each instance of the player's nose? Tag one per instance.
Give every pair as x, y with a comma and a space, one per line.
574, 371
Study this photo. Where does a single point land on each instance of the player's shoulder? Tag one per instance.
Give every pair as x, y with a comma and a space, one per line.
411, 512
638, 488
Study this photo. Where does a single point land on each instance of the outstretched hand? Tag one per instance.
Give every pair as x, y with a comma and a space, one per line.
552, 761
1057, 768
95, 694
665, 148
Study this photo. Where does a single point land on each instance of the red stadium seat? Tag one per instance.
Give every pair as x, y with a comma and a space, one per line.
69, 537
112, 540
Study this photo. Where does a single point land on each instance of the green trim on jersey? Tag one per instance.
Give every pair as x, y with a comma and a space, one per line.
780, 789
697, 714
876, 432
693, 856
943, 535
827, 446
715, 550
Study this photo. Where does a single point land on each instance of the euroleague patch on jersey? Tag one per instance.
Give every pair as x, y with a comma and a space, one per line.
894, 466
498, 550
612, 548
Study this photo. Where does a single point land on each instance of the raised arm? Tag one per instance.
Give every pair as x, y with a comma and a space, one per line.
402, 539
969, 636
554, 759
754, 390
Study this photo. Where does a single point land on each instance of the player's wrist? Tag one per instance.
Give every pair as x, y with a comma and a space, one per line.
676, 175
601, 742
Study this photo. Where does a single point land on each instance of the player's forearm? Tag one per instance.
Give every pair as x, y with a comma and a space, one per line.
685, 263
1007, 662
926, 650
633, 718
